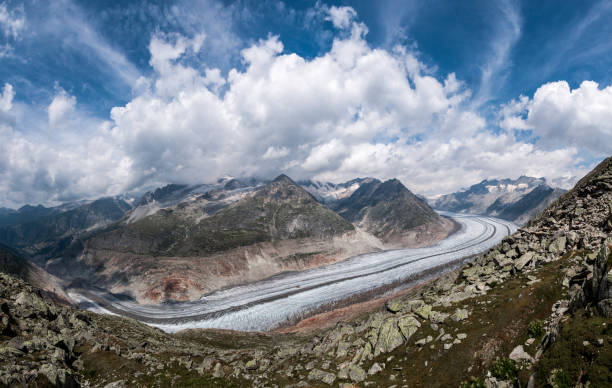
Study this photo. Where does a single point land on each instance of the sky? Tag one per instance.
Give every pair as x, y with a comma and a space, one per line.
101, 98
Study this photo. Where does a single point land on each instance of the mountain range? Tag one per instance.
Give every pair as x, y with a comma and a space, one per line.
534, 310
516, 200
180, 242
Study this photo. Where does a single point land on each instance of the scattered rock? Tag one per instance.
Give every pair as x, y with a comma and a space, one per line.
356, 374
319, 375
375, 368
518, 354
459, 315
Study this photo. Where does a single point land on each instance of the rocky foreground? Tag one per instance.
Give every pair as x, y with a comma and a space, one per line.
535, 310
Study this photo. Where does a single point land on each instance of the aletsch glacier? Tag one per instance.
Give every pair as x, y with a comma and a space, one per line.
269, 303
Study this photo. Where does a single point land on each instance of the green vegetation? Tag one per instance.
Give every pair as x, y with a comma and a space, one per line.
535, 329
504, 368
474, 383
580, 353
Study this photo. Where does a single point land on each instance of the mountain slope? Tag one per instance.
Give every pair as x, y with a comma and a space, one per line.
330, 193
514, 200
232, 234
45, 229
391, 212
280, 210
12, 263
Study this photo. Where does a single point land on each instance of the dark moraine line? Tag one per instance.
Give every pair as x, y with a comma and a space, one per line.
317, 287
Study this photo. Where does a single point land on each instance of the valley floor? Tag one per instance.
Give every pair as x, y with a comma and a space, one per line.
289, 297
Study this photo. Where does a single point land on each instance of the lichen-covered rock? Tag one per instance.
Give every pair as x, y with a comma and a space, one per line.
558, 245
389, 337
394, 305
356, 373
437, 317
423, 311
319, 375
522, 261
374, 369
408, 325
459, 315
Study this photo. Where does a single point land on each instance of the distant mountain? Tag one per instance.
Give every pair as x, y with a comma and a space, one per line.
181, 241
173, 194
224, 219
391, 212
35, 228
330, 193
515, 200
233, 233
25, 214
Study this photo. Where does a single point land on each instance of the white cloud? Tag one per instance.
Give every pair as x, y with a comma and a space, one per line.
352, 111
65, 21
61, 107
275, 152
6, 100
508, 31
341, 17
11, 23
560, 116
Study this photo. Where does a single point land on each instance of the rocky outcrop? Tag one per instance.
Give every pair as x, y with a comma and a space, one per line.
13, 263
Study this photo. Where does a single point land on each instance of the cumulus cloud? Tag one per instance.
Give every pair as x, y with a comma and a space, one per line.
61, 107
581, 117
341, 17
352, 111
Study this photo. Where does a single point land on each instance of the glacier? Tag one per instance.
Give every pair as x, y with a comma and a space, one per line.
267, 304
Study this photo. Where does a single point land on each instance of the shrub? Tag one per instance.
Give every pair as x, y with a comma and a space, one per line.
474, 383
504, 368
535, 329
561, 379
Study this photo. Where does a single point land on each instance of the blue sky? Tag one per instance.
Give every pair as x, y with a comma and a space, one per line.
451, 92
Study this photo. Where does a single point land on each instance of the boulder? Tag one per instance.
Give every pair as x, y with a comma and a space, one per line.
252, 364
319, 375
389, 337
423, 311
523, 261
459, 315
394, 305
600, 287
374, 369
116, 384
218, 371
437, 317
356, 373
518, 354
605, 307
557, 246
408, 325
